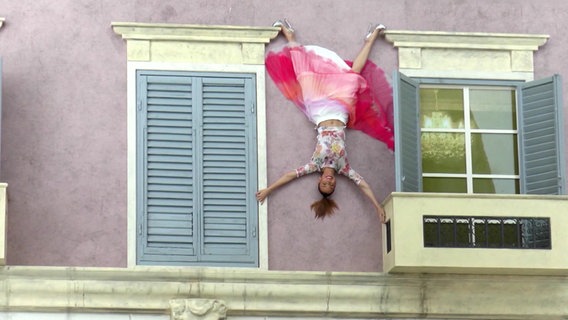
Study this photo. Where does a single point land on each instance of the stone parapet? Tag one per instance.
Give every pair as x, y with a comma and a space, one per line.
246, 292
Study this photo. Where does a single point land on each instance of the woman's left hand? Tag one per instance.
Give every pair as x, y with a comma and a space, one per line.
382, 214
364, 186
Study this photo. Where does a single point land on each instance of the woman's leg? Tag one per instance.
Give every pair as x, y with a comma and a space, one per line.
363, 55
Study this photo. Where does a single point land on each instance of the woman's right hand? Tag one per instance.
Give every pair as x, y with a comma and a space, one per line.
284, 179
381, 213
262, 194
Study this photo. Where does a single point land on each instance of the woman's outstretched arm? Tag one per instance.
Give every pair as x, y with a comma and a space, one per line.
364, 186
284, 179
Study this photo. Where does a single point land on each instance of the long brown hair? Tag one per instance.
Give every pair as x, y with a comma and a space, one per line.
325, 206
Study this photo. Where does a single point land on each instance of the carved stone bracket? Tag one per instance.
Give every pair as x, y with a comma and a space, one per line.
1, 21
198, 309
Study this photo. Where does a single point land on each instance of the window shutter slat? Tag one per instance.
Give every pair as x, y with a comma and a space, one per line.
227, 222
1, 108
408, 163
167, 170
541, 137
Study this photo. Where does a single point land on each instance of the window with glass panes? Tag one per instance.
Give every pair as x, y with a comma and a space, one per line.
469, 139
477, 136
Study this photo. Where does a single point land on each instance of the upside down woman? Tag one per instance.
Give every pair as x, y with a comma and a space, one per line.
333, 95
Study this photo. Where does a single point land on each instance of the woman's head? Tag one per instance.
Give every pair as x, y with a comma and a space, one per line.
326, 187
326, 183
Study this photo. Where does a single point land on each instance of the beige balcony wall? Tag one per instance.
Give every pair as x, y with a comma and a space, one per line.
408, 254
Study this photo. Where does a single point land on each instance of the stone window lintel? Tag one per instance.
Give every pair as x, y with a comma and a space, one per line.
188, 32
195, 43
469, 40
466, 55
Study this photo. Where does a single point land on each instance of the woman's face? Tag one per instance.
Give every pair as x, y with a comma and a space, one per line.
327, 183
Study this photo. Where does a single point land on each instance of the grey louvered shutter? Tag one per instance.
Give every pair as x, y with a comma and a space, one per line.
165, 169
408, 163
197, 133
1, 110
541, 137
228, 222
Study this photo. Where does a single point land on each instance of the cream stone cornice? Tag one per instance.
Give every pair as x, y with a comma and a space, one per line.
211, 44
468, 40
247, 292
188, 32
466, 55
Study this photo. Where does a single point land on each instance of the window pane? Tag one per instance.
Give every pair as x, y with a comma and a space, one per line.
462, 233
494, 153
497, 234
431, 234
443, 152
452, 185
487, 232
499, 186
493, 109
441, 108
535, 233
511, 234
451, 233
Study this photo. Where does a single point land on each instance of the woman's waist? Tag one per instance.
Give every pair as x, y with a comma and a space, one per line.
331, 123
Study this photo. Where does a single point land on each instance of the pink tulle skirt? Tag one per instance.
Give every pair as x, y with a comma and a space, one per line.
317, 81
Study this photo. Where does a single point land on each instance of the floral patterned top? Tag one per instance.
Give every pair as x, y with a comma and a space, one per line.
330, 153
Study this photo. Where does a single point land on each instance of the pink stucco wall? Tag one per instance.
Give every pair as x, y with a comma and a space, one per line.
64, 119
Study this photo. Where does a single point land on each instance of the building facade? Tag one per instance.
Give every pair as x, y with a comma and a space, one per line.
134, 136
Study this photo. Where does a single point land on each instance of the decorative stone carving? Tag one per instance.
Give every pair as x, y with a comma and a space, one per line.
198, 309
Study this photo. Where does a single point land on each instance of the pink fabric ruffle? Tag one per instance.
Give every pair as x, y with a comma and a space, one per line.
310, 76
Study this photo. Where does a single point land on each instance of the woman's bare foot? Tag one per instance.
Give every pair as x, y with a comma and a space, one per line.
374, 32
286, 29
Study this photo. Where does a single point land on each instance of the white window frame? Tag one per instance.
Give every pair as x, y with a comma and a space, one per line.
259, 72
198, 48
